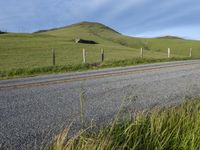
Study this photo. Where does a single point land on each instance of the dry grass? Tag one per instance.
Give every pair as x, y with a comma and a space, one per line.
177, 127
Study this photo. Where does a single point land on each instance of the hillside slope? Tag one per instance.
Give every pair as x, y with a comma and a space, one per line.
35, 50
98, 32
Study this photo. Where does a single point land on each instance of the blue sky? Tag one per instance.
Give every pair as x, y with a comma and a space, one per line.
146, 18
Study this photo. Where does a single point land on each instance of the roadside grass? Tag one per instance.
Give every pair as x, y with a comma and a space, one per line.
174, 127
25, 72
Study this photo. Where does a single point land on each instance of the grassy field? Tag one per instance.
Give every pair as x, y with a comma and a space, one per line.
35, 50
176, 127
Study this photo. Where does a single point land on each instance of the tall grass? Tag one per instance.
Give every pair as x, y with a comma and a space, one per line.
177, 127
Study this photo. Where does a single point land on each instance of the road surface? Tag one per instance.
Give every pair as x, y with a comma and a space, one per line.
34, 109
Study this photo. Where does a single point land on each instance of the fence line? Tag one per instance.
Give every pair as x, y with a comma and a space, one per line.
141, 53
84, 56
190, 55
169, 53
53, 57
102, 55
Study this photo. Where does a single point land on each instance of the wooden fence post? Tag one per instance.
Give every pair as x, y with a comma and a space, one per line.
102, 55
53, 57
190, 52
141, 53
84, 56
169, 52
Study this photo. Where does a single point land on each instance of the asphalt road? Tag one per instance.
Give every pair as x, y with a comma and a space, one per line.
34, 109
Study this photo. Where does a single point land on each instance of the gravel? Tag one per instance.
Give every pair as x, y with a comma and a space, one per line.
29, 116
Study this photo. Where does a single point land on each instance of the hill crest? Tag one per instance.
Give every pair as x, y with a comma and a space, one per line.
171, 37
84, 24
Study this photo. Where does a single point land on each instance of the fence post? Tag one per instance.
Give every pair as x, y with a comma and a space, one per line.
190, 52
53, 57
102, 55
84, 56
169, 52
141, 53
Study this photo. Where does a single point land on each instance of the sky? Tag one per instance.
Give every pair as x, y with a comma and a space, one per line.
142, 18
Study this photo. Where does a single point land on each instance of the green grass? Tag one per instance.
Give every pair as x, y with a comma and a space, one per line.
175, 127
33, 71
35, 50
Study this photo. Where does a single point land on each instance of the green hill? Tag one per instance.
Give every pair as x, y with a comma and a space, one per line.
170, 37
34, 50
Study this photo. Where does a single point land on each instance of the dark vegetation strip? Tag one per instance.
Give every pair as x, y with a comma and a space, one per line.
24, 72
